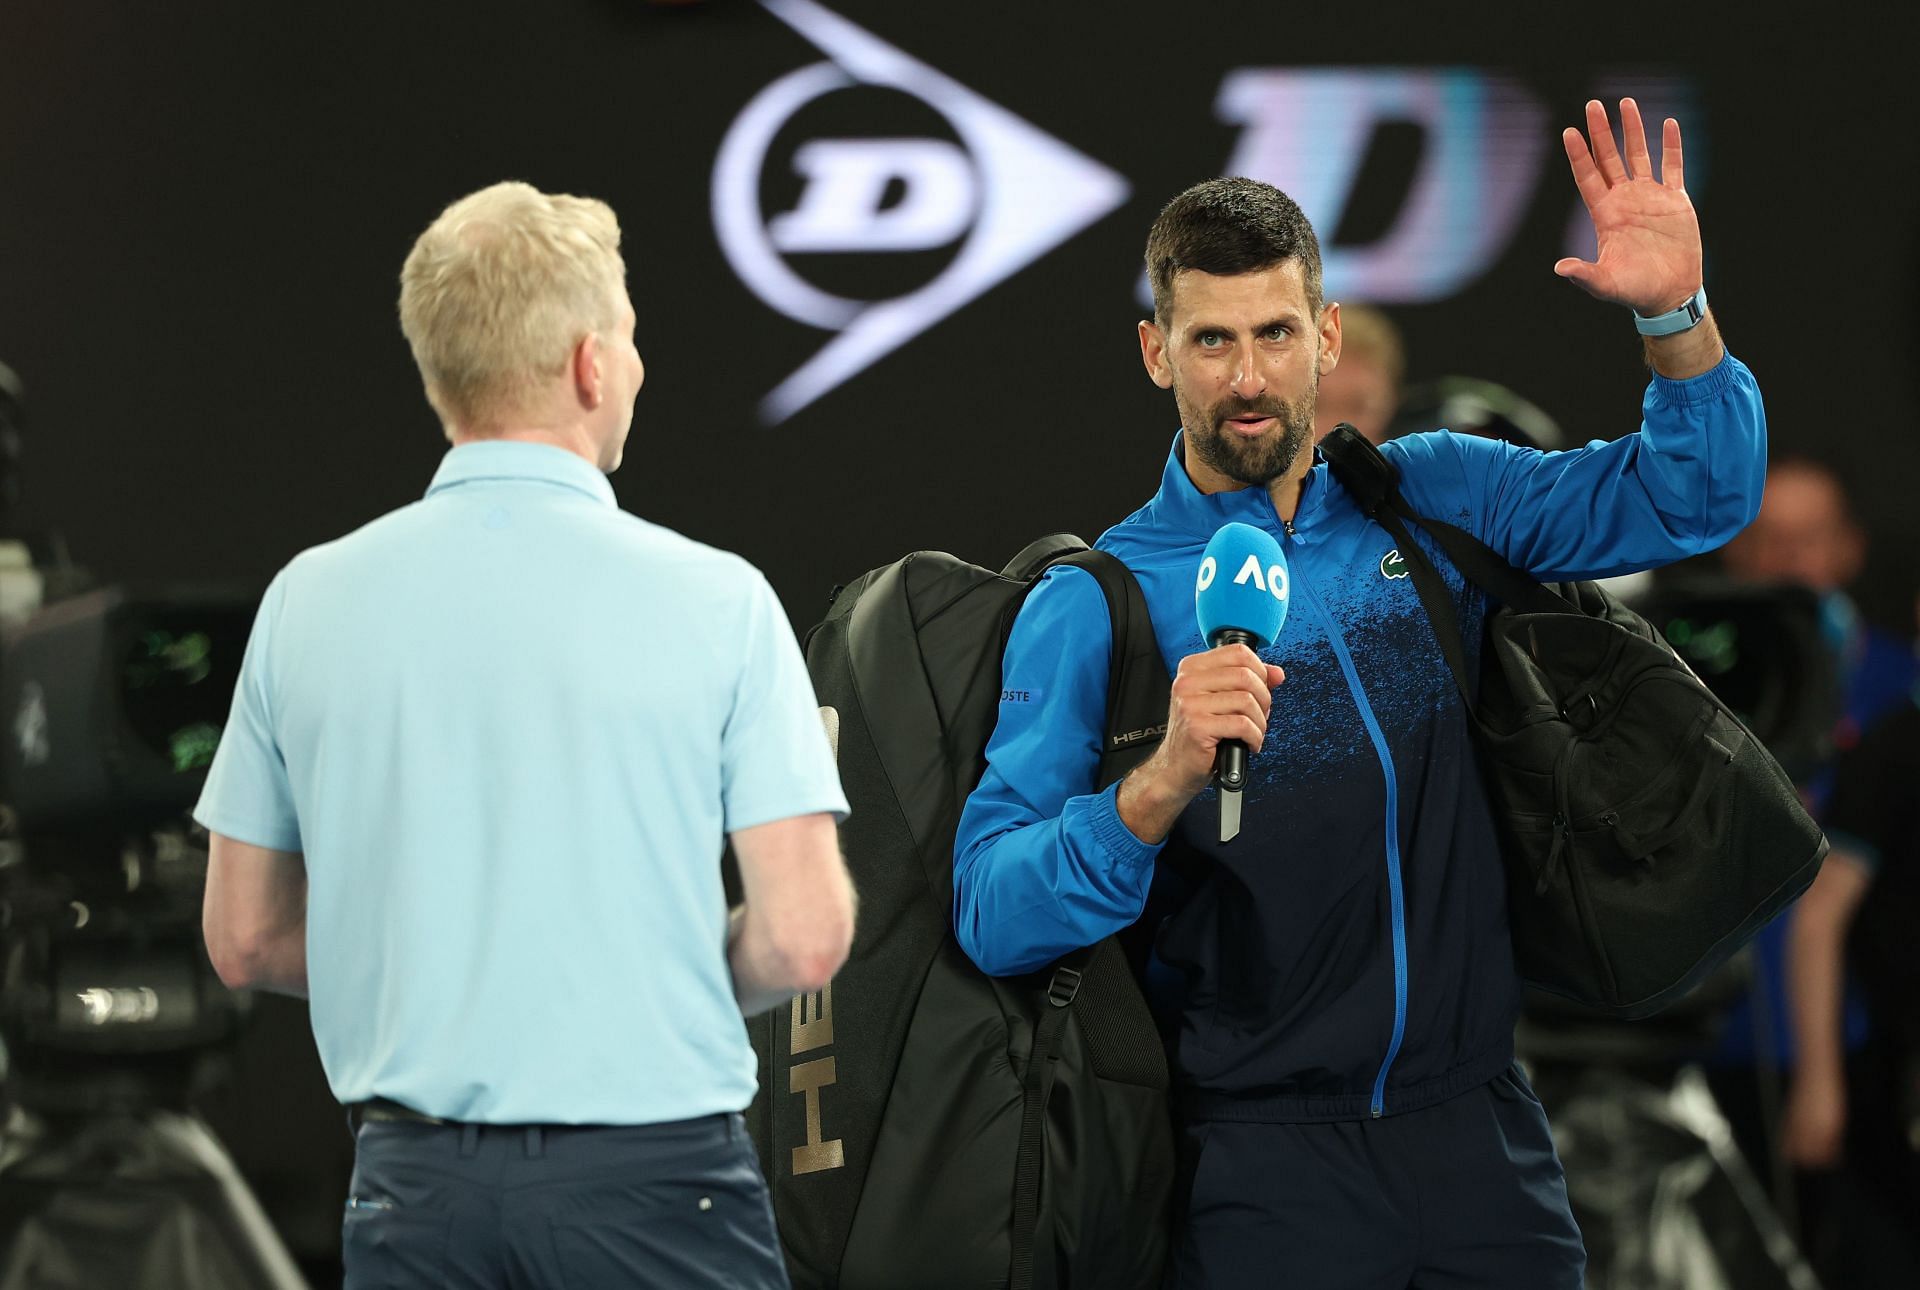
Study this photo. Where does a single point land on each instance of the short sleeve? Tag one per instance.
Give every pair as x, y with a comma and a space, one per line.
248, 796
776, 762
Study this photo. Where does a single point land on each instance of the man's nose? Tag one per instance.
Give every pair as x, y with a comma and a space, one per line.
1249, 377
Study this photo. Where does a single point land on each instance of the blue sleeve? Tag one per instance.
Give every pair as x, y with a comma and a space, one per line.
775, 761
1688, 481
248, 796
1042, 863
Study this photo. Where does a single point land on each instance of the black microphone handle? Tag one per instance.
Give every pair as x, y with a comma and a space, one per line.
1230, 759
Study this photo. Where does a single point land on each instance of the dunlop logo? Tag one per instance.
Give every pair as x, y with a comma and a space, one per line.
813, 1029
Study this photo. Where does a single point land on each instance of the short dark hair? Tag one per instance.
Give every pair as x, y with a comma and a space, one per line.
1228, 226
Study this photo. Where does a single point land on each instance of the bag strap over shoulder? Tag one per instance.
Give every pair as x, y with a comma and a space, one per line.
1137, 682
1365, 472
1036, 555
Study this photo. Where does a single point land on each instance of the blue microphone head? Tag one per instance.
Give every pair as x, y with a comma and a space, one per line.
1242, 585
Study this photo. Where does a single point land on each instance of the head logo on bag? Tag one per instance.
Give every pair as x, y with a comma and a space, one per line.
813, 1028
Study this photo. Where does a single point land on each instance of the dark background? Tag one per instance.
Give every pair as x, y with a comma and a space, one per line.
204, 208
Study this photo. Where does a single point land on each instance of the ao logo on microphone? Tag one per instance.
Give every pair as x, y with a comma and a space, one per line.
973, 186
1272, 579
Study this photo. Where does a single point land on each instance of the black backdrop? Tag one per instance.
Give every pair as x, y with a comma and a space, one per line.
204, 207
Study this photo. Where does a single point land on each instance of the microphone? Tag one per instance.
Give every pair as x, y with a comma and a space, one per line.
1241, 598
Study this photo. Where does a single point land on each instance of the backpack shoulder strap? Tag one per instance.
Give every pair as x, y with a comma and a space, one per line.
1137, 680
1375, 483
1036, 555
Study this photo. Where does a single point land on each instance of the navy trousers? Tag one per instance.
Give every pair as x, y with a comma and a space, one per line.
1464, 1195
680, 1206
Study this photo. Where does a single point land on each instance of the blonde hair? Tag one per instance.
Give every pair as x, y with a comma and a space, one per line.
499, 290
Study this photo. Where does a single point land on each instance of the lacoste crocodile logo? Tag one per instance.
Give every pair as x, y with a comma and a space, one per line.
1392, 566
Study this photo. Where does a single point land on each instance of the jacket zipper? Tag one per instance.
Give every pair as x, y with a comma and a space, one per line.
1396, 896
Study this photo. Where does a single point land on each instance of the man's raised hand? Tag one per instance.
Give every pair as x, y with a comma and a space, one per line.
1649, 237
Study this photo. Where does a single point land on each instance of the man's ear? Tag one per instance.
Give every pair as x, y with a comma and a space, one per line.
1153, 354
1330, 337
588, 383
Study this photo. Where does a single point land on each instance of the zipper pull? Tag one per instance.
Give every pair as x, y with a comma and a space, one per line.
1288, 526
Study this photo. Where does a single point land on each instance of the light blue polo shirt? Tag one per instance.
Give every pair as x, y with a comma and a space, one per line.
508, 726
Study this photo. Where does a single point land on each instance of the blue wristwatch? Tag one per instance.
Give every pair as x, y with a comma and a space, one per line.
1677, 320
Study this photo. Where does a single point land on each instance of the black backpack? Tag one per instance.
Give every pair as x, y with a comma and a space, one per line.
1648, 834
920, 1123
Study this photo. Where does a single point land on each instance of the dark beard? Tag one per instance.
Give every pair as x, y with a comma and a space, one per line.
1256, 462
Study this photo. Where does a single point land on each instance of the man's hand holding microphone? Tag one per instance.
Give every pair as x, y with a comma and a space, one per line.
1222, 697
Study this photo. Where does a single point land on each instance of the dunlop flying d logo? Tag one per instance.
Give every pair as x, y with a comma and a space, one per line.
1006, 194
1392, 565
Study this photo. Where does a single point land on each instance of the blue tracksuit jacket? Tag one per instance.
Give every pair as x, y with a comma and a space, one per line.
1348, 954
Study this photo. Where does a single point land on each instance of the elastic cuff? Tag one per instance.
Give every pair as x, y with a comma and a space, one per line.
1116, 840
1704, 388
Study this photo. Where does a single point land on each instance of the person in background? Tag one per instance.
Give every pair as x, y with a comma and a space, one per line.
1872, 1130
1807, 535
1364, 388
471, 799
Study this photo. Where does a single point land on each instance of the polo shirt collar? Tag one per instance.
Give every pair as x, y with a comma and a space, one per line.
496, 459
1181, 506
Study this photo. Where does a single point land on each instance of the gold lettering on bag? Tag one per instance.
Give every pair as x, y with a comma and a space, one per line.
812, 1028
817, 1032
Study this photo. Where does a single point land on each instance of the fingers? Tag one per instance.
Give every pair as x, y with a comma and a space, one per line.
1225, 693
1672, 171
1213, 728
1633, 133
1212, 715
1220, 688
1600, 139
1226, 656
1586, 176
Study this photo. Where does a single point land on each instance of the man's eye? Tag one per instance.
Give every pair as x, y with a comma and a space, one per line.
1210, 339
1277, 333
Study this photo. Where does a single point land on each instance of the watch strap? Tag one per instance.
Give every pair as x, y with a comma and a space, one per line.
1676, 320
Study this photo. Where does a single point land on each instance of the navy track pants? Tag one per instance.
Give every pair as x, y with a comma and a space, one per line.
1463, 1195
679, 1206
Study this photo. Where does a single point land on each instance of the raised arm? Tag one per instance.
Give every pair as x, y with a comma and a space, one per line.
1691, 477
1649, 257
